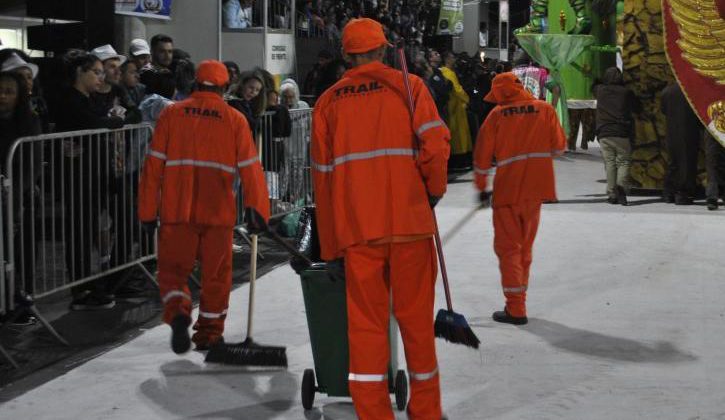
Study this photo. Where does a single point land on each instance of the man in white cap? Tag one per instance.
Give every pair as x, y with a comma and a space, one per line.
110, 99
140, 53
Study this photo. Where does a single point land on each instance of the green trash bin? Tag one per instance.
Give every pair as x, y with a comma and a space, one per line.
326, 308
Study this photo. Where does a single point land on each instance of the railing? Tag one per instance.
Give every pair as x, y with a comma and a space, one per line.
71, 208
284, 148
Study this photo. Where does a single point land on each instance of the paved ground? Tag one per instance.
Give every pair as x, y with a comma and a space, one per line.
627, 321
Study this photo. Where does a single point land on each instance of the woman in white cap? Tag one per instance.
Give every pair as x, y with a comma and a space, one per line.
16, 61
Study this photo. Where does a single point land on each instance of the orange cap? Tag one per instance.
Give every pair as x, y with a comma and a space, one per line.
212, 73
362, 35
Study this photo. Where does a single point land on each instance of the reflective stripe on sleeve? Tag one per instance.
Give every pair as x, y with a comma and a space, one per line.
521, 289
201, 164
212, 315
156, 154
489, 171
361, 156
175, 293
427, 126
423, 376
361, 377
243, 163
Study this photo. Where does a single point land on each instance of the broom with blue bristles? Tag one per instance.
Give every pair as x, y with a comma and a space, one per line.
449, 325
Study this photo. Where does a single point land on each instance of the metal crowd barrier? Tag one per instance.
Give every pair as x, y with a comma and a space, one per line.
284, 150
3, 263
71, 208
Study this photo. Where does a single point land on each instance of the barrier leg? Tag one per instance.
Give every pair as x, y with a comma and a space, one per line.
9, 358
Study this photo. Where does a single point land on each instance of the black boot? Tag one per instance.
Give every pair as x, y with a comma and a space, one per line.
180, 340
683, 199
712, 204
621, 195
505, 317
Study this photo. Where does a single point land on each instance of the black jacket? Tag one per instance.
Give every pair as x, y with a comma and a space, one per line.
75, 112
615, 106
441, 89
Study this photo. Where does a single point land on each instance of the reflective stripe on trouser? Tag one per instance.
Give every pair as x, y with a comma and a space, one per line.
409, 269
515, 229
180, 246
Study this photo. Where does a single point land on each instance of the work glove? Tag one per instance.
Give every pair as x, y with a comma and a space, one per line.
433, 200
484, 198
299, 264
255, 222
336, 269
149, 227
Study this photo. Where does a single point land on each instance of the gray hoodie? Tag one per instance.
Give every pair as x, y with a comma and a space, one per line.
291, 84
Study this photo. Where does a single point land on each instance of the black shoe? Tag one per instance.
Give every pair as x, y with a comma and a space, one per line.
180, 340
712, 204
209, 344
621, 196
92, 301
503, 316
25, 319
612, 199
682, 200
669, 198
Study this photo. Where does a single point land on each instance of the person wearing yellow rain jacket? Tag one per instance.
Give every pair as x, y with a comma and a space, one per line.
457, 109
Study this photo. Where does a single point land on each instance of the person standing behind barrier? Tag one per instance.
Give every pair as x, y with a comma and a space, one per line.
521, 135
110, 99
82, 181
17, 120
615, 128
187, 182
250, 98
374, 188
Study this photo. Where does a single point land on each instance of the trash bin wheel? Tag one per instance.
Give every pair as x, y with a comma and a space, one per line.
401, 390
308, 389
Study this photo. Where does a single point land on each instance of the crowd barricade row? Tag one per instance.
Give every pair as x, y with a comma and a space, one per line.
69, 208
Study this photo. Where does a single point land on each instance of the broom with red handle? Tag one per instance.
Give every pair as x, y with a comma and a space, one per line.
449, 325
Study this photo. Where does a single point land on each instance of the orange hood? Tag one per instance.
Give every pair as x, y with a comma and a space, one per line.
506, 88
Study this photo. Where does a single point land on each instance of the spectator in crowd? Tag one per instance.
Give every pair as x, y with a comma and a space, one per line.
250, 98
140, 53
110, 99
715, 167
12, 60
17, 119
291, 95
86, 215
234, 72
296, 148
237, 14
457, 121
130, 83
615, 125
683, 144
309, 86
439, 85
330, 74
184, 75
159, 94
162, 51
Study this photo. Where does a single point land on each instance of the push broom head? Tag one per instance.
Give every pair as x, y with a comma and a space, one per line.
247, 353
453, 327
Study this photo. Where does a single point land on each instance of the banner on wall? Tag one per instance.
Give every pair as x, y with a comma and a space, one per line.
450, 20
695, 40
155, 9
280, 54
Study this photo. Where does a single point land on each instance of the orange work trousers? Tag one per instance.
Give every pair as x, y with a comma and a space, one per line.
180, 245
515, 229
372, 271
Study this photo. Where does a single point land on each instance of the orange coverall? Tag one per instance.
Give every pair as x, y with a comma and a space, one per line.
188, 181
371, 182
521, 135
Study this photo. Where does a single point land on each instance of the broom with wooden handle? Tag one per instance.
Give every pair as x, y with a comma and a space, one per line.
449, 325
248, 353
